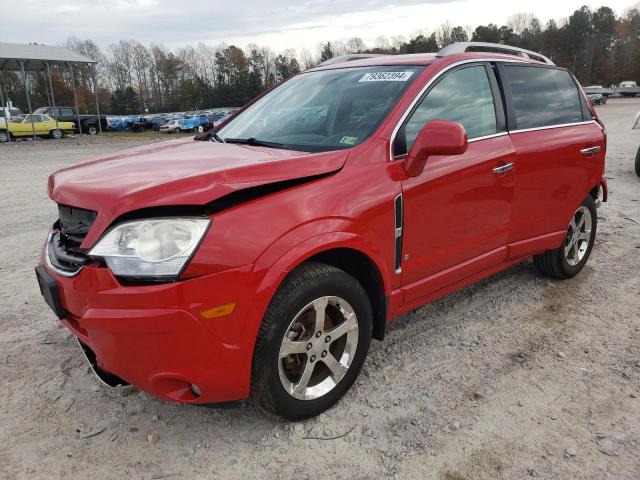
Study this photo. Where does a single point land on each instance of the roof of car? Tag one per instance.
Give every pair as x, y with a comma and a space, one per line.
456, 51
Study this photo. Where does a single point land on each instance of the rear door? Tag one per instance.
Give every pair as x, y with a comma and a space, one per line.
67, 115
559, 149
457, 212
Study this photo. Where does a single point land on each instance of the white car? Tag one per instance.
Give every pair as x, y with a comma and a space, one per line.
8, 112
172, 126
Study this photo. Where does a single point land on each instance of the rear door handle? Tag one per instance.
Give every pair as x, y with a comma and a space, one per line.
590, 150
503, 168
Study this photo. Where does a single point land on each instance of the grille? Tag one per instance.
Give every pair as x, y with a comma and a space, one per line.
64, 252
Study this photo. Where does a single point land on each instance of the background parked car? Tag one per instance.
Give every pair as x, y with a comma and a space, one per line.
628, 88
171, 126
45, 126
8, 113
213, 120
597, 99
90, 123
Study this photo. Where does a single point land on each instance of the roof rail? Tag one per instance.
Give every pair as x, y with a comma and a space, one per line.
349, 58
462, 47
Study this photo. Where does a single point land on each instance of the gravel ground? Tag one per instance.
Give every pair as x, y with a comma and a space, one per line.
518, 376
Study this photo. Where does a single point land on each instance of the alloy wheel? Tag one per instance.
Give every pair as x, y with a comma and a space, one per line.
578, 236
318, 348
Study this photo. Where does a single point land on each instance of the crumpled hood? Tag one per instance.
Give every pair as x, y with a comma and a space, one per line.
179, 172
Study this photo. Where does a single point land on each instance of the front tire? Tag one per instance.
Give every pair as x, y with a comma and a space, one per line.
4, 136
312, 343
637, 166
571, 257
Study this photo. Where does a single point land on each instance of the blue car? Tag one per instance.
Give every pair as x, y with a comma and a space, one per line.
191, 124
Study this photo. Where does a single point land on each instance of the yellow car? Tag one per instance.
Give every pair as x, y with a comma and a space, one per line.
44, 125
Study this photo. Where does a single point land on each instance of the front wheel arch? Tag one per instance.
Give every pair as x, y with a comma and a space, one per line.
335, 249
365, 271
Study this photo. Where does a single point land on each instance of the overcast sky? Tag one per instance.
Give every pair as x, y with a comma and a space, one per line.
278, 24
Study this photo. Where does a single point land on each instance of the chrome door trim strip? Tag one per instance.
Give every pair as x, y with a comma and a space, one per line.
486, 137
431, 82
548, 127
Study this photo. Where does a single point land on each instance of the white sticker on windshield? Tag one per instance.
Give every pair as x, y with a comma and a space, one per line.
386, 77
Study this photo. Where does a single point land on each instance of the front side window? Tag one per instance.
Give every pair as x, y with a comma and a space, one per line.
462, 96
323, 110
542, 96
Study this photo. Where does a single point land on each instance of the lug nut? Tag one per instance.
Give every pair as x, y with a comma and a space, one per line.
318, 334
313, 358
327, 339
323, 354
309, 346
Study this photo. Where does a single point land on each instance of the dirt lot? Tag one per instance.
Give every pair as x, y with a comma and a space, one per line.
519, 376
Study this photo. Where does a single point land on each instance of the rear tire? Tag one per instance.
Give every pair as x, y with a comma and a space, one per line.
314, 302
567, 260
91, 129
56, 134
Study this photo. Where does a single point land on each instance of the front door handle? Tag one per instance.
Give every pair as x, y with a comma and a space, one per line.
503, 168
590, 150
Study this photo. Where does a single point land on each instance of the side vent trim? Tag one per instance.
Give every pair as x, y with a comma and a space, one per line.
399, 220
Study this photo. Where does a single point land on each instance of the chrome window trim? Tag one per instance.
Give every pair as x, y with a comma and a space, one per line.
51, 266
431, 82
548, 127
486, 137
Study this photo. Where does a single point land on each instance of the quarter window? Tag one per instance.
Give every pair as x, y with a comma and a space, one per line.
463, 96
542, 97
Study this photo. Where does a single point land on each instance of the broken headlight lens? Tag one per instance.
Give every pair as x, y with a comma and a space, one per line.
158, 247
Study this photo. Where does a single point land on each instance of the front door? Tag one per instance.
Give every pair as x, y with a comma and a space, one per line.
457, 212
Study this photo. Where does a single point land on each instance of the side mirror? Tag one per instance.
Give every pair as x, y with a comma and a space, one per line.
438, 137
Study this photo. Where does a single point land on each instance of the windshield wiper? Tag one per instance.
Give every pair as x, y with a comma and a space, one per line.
216, 137
254, 142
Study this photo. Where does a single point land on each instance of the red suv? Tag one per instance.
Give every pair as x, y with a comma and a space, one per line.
262, 262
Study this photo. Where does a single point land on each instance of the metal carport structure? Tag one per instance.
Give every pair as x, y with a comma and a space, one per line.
24, 58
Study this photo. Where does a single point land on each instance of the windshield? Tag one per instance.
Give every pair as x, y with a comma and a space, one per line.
323, 110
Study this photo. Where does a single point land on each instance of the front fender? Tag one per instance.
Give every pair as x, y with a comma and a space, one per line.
274, 268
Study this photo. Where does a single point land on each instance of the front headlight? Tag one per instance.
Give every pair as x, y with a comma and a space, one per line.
158, 247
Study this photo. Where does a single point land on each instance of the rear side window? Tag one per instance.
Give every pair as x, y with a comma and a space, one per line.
541, 97
462, 96
66, 112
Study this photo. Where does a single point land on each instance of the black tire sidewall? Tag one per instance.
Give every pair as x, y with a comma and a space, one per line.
337, 284
572, 270
637, 164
